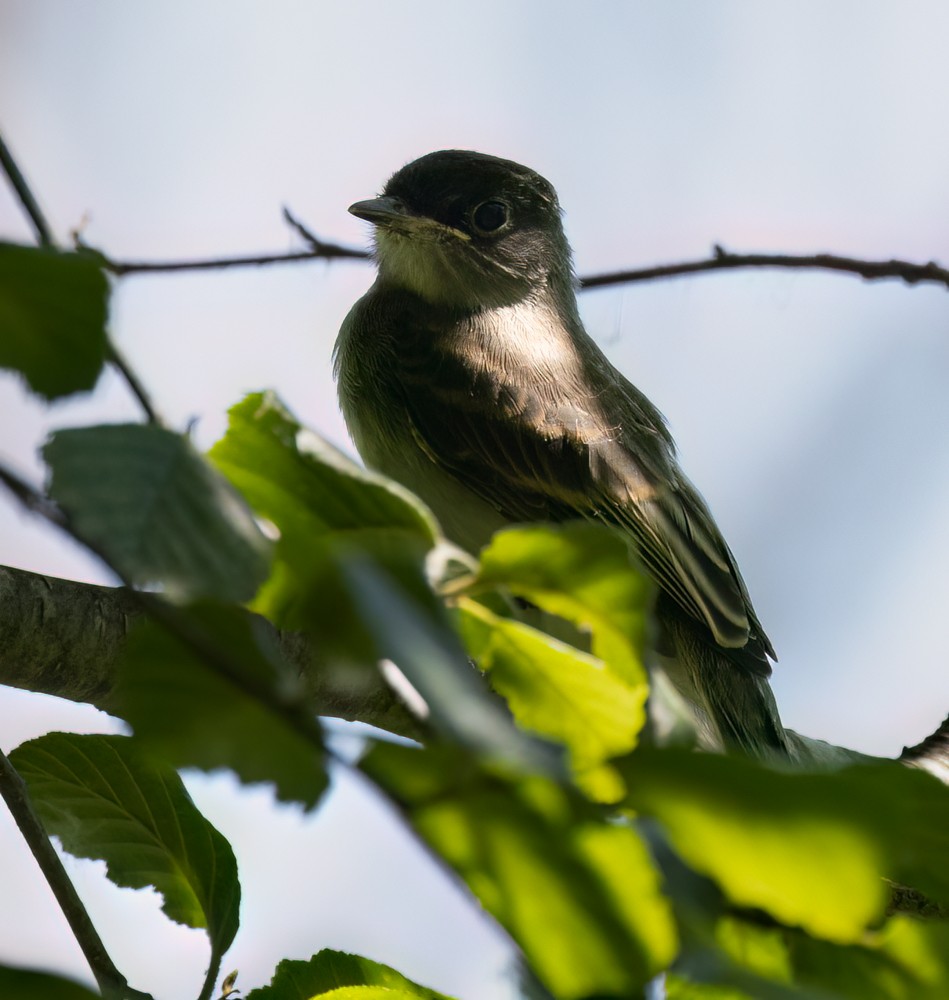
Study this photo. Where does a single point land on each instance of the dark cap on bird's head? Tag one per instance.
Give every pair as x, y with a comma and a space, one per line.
464, 229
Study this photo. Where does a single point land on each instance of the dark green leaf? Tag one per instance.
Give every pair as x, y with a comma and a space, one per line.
157, 510
53, 310
25, 984
579, 896
105, 800
197, 715
328, 973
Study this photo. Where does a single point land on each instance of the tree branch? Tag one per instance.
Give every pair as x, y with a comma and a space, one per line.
326, 251
44, 234
135, 385
64, 638
722, 259
111, 982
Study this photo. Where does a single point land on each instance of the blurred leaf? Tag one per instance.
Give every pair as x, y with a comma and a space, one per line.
104, 800
907, 959
157, 510
559, 692
195, 715
341, 976
351, 570
579, 896
53, 309
430, 655
27, 984
678, 988
811, 849
586, 573
733, 958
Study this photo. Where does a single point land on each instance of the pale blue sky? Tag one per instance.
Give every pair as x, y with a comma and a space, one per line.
811, 410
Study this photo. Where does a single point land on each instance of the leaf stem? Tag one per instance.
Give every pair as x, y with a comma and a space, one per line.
111, 982
135, 385
44, 234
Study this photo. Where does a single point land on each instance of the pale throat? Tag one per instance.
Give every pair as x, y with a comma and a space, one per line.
430, 262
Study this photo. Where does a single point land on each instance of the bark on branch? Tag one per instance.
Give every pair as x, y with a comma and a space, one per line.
64, 638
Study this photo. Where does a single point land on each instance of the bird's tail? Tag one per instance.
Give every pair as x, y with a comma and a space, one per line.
734, 706
932, 753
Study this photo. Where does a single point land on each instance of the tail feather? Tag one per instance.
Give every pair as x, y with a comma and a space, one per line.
735, 707
932, 754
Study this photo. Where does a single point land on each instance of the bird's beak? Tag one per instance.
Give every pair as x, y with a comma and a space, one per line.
392, 213
385, 211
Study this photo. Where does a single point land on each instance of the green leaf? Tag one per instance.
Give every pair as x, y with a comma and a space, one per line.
53, 309
104, 800
586, 573
351, 570
341, 976
369, 993
811, 849
157, 510
316, 497
679, 988
558, 692
194, 714
731, 958
418, 640
302, 483
27, 984
906, 959
579, 895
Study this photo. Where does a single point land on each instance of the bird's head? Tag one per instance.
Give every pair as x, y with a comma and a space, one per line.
467, 230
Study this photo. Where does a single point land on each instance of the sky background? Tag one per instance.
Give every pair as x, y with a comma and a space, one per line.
810, 409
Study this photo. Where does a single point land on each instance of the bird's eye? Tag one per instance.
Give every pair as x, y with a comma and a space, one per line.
489, 216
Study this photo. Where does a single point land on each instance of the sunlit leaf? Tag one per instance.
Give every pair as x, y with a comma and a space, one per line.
341, 976
304, 485
907, 959
579, 896
559, 692
586, 573
811, 849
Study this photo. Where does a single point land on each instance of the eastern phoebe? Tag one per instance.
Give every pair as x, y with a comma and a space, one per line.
465, 374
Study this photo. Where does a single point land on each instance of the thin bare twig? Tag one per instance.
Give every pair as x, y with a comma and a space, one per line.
31, 498
722, 259
44, 234
327, 251
135, 385
111, 982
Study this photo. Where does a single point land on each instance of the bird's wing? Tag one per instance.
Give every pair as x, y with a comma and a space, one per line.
551, 455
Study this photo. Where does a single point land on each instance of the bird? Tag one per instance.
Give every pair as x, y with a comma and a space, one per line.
465, 373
